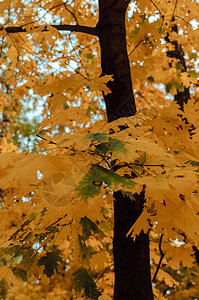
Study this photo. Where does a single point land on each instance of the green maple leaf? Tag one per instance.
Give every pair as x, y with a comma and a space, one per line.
88, 226
90, 185
84, 281
50, 261
4, 287
21, 273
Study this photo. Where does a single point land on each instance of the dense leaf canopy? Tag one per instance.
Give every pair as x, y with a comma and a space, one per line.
61, 161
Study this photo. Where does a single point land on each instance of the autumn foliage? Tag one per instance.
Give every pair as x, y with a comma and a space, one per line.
61, 161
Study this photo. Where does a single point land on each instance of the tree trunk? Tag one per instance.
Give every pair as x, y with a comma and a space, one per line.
114, 59
131, 258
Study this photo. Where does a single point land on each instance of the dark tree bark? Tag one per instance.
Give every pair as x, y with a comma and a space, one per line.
114, 59
181, 97
131, 258
71, 28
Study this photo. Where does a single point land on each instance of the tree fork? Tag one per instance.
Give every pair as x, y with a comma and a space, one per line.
131, 258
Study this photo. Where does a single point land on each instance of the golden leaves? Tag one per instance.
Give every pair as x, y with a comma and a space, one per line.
4, 5
68, 116
73, 84
6, 147
58, 189
151, 149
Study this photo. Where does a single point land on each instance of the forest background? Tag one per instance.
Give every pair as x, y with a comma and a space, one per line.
87, 183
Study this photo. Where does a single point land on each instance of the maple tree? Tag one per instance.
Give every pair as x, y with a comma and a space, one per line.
94, 198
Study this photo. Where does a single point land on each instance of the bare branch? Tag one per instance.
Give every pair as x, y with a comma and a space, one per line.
176, 2
72, 28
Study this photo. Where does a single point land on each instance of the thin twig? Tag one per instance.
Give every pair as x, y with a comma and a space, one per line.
74, 16
175, 7
102, 274
156, 7
173, 14
50, 142
162, 254
139, 94
135, 47
32, 22
78, 57
181, 18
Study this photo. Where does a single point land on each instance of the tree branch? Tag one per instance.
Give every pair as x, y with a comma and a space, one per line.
72, 28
